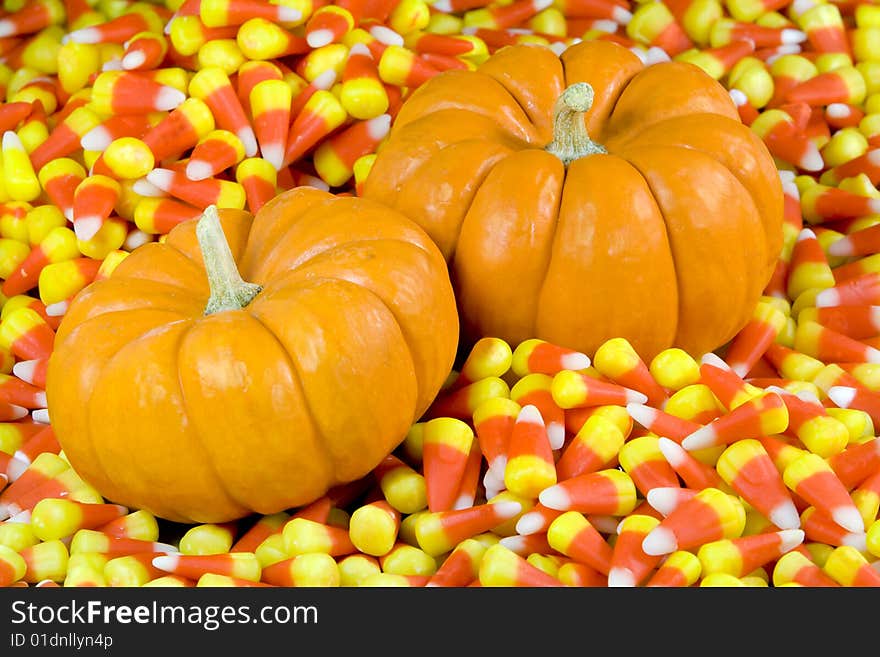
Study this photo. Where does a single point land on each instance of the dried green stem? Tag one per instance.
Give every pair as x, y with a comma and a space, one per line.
228, 290
570, 139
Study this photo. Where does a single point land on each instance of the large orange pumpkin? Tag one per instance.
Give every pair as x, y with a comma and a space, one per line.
664, 230
302, 379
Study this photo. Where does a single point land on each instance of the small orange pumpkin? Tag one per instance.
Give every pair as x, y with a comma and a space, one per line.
665, 230
205, 402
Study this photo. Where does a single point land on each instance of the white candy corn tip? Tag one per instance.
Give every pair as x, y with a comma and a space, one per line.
160, 178
319, 38
168, 98
790, 539
558, 47
842, 396
740, 369
663, 499
442, 5
84, 35
386, 35
273, 154
166, 562
827, 298
360, 49
738, 97
87, 227
541, 5
656, 55
872, 355
659, 541
40, 415
288, 14
530, 413
463, 501
515, 544
621, 15
837, 110
7, 28
529, 523
806, 234
713, 359
24, 370
555, 497
379, 127
19, 412
112, 65
812, 159
619, 577
506, 510
22, 517
674, 454
133, 60
787, 176
249, 139
40, 399
199, 170
96, 139
642, 414
11, 141
16, 468
842, 247
874, 157
700, 439
136, 238
858, 541
785, 516
849, 518
57, 309
790, 36
575, 361
556, 435
325, 80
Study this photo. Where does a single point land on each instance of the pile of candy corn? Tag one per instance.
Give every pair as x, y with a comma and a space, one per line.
536, 466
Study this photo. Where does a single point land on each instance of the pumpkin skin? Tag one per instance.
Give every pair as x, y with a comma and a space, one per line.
668, 239
207, 418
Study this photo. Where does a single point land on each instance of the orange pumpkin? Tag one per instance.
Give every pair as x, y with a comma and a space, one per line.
664, 230
203, 403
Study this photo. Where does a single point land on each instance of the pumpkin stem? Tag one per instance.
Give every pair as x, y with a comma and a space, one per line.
570, 139
228, 290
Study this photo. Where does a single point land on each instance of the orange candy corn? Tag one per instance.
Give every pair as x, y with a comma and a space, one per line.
462, 565
440, 532
728, 386
630, 566
753, 339
695, 474
320, 116
58, 518
618, 361
215, 152
536, 356
710, 515
795, 567
126, 92
856, 463
748, 469
530, 463
643, 461
93, 202
536, 390
212, 85
610, 492
740, 556
812, 478
679, 569
500, 566
572, 534
593, 448
445, 452
242, 565
759, 416
493, 423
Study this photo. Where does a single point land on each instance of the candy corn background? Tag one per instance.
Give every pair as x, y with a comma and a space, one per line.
537, 465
